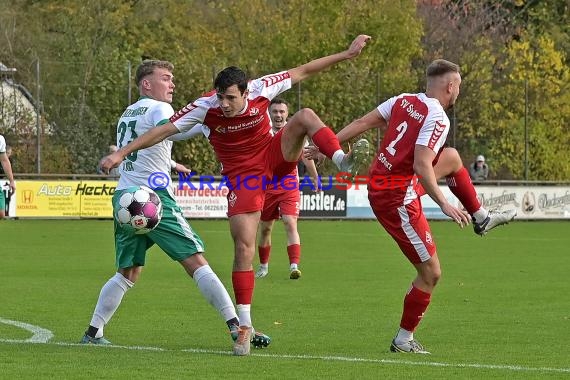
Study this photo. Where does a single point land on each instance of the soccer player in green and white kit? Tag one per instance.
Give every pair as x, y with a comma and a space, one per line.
173, 234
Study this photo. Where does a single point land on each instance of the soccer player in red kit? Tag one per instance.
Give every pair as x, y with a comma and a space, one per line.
416, 127
234, 118
282, 200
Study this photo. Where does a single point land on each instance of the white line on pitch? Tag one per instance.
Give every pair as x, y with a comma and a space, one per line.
39, 335
504, 367
391, 361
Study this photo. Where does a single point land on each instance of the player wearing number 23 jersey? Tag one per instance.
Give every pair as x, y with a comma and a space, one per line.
140, 165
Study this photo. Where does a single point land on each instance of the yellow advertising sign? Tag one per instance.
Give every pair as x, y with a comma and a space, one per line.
65, 199
95, 198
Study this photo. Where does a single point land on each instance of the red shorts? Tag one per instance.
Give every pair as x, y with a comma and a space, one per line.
248, 191
285, 202
407, 225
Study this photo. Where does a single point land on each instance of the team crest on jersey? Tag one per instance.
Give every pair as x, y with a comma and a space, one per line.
428, 238
253, 111
232, 198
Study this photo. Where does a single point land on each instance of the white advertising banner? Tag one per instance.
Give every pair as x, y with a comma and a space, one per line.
530, 202
358, 206
202, 200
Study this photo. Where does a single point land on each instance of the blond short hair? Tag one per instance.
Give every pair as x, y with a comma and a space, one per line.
147, 68
441, 67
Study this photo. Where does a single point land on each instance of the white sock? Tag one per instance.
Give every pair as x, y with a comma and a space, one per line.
244, 314
214, 291
337, 157
109, 300
404, 336
264, 266
480, 215
292, 266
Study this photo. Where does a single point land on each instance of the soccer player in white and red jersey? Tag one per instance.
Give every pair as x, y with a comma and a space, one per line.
282, 200
410, 160
234, 119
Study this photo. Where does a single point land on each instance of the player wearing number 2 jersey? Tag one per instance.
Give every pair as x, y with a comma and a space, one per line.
173, 234
416, 128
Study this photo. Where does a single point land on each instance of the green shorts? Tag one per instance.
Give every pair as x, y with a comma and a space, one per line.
173, 235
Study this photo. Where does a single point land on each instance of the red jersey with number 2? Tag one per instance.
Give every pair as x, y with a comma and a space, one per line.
412, 119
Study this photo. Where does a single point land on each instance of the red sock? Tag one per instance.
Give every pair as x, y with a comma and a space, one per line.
415, 305
294, 252
461, 186
243, 286
327, 142
264, 254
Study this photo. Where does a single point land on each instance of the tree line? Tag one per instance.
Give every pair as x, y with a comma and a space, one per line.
514, 102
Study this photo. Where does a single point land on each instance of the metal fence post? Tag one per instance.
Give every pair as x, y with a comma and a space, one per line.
129, 73
526, 130
38, 118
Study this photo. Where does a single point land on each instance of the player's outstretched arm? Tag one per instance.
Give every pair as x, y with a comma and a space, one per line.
372, 119
153, 136
193, 132
304, 71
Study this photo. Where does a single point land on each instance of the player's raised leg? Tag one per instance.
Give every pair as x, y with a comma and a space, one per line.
307, 123
450, 167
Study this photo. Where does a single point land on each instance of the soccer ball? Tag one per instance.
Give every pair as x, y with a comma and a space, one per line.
139, 210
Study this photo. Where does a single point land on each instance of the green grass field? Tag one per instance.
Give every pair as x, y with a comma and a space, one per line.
501, 310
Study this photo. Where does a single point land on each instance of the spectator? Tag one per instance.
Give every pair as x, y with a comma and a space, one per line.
479, 170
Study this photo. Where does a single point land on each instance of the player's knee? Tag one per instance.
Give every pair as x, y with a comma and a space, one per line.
306, 112
265, 229
291, 230
433, 277
243, 248
305, 116
451, 156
